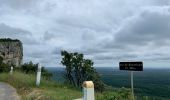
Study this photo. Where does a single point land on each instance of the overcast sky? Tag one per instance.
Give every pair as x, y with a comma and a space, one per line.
106, 31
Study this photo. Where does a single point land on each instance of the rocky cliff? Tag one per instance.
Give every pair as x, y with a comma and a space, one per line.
11, 51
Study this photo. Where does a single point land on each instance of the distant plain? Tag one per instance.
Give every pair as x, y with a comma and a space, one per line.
150, 82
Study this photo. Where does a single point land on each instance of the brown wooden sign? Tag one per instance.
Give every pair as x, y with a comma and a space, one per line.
131, 66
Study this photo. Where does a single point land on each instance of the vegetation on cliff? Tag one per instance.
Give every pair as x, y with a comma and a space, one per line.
3, 67
9, 40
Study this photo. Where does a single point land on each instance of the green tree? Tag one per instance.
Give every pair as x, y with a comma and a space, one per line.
4, 67
67, 61
29, 67
1, 60
79, 70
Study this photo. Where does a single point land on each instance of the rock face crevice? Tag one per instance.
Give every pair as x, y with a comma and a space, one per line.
11, 51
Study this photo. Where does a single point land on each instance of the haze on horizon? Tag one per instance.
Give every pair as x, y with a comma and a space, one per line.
106, 31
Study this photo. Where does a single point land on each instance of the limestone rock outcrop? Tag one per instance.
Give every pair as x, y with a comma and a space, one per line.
11, 51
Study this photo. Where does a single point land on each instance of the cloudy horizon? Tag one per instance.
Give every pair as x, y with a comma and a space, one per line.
106, 31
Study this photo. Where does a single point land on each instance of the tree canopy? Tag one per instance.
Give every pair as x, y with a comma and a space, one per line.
79, 70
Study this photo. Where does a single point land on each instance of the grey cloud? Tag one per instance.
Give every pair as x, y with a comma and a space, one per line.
25, 36
92, 51
148, 26
108, 13
116, 57
48, 36
36, 54
85, 23
165, 58
88, 35
102, 57
18, 4
149, 29
158, 58
10, 31
56, 51
162, 2
118, 27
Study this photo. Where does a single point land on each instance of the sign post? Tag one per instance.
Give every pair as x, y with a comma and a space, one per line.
132, 85
131, 66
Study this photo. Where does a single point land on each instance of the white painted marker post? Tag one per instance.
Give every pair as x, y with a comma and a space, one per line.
88, 87
11, 71
38, 75
133, 97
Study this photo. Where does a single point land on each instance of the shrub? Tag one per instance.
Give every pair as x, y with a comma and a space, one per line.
3, 67
31, 68
117, 94
1, 60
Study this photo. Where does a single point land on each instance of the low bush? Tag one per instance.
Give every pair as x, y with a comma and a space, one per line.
31, 68
3, 67
116, 94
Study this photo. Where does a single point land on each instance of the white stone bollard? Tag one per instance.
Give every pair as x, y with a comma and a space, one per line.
11, 71
88, 87
38, 75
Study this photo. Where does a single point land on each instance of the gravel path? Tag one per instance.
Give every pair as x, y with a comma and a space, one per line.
7, 92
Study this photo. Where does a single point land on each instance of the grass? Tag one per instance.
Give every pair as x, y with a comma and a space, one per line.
48, 90
115, 94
